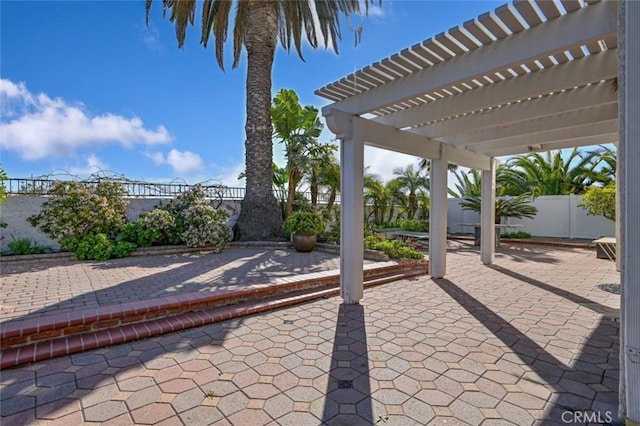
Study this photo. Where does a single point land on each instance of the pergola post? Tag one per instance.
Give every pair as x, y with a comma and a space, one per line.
618, 219
438, 218
352, 214
629, 110
488, 214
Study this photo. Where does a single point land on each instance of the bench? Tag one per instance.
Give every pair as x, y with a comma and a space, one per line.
605, 248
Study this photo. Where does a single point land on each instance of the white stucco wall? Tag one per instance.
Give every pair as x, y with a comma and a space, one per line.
15, 211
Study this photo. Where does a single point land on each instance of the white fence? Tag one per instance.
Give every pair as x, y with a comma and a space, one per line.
558, 216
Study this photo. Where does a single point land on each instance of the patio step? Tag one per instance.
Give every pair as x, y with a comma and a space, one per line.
37, 339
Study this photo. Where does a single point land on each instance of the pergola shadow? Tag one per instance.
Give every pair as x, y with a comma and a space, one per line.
349, 381
515, 253
574, 383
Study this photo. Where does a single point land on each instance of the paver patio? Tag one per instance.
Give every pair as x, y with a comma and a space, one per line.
35, 289
530, 339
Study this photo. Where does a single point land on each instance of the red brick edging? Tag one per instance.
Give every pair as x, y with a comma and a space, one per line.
37, 339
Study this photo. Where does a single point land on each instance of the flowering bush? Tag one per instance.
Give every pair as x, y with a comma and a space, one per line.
76, 210
205, 225
177, 207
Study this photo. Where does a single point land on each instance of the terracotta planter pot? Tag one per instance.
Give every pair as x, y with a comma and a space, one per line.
304, 242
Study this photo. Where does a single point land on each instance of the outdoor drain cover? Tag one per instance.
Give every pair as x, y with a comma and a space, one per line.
288, 322
345, 384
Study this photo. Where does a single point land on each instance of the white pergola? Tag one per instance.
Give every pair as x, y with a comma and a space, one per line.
529, 76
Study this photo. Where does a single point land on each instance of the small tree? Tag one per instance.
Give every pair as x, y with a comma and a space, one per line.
298, 128
601, 201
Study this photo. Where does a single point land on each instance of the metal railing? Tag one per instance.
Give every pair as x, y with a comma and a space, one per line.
142, 189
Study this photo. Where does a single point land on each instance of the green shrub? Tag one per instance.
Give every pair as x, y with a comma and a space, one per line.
396, 249
601, 201
76, 210
152, 228
304, 223
517, 234
24, 246
389, 224
92, 247
414, 225
99, 247
122, 249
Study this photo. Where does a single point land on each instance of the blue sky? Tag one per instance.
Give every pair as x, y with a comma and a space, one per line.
87, 86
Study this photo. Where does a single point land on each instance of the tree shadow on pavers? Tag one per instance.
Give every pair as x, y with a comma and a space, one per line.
586, 382
178, 274
53, 385
514, 252
348, 395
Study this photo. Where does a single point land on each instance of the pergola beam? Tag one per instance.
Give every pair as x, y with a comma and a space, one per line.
531, 128
579, 72
389, 138
549, 136
560, 34
567, 143
600, 94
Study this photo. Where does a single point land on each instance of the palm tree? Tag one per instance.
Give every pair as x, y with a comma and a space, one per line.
298, 128
325, 172
412, 181
256, 28
424, 201
517, 207
376, 194
550, 174
604, 164
396, 198
469, 184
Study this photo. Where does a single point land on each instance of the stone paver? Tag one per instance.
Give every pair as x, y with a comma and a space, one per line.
519, 343
85, 285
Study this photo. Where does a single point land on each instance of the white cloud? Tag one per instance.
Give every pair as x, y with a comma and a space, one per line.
382, 162
374, 11
93, 164
157, 157
37, 126
228, 176
151, 38
182, 162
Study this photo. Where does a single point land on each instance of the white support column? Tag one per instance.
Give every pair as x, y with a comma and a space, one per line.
618, 208
488, 215
438, 218
629, 109
352, 215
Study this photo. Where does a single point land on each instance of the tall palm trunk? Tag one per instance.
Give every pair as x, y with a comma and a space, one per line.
332, 199
259, 216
